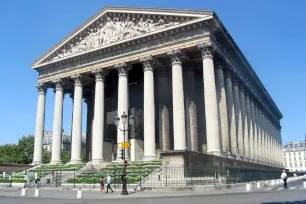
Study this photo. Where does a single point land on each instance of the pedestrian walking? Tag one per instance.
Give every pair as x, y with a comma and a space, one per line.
109, 182
102, 184
284, 177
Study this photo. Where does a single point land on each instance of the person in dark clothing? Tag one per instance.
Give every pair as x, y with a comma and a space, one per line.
102, 184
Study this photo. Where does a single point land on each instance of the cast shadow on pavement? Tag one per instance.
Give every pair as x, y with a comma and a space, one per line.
288, 202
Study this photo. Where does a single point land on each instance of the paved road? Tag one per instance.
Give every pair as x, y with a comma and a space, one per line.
294, 185
273, 196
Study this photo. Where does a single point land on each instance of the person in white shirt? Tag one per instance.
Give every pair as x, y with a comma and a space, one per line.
109, 182
284, 177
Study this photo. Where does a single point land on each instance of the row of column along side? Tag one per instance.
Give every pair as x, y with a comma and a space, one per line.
236, 125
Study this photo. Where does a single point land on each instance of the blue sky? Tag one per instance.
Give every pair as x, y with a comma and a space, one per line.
271, 34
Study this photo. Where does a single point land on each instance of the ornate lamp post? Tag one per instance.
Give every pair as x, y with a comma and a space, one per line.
124, 119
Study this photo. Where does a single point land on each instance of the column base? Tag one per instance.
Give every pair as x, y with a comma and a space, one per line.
149, 158
97, 161
75, 162
228, 155
36, 163
55, 162
216, 153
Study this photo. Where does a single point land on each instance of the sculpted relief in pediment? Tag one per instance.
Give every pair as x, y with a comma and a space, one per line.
110, 30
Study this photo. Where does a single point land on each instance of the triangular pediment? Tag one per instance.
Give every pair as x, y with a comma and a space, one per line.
115, 24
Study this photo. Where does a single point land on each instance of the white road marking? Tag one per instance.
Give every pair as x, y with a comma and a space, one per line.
292, 188
280, 188
268, 189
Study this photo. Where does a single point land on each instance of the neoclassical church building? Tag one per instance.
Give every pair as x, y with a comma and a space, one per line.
176, 72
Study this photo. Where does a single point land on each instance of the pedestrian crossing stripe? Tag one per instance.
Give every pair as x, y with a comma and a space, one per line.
291, 188
268, 189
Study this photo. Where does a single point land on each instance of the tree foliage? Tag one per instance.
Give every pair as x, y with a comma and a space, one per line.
22, 153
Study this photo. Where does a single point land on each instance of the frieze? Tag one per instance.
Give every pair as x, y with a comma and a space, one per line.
110, 30
142, 46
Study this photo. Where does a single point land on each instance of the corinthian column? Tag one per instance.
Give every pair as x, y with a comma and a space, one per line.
57, 123
190, 107
257, 130
98, 126
254, 130
148, 109
178, 101
40, 123
211, 109
250, 125
238, 118
77, 121
244, 122
259, 133
221, 100
164, 95
123, 104
231, 113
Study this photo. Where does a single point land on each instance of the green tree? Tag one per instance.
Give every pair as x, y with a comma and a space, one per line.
46, 156
65, 156
26, 149
83, 155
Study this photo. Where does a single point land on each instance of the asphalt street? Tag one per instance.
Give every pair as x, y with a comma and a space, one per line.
275, 195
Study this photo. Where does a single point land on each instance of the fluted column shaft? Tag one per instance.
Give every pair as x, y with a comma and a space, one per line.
98, 125
40, 124
123, 106
164, 91
266, 138
211, 109
250, 125
191, 108
179, 130
77, 121
149, 109
231, 113
239, 130
89, 125
244, 123
262, 137
57, 123
258, 131
223, 118
254, 130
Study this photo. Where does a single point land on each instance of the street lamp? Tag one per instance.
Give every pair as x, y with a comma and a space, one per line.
124, 119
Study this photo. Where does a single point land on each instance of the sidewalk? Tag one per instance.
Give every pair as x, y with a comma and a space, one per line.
72, 194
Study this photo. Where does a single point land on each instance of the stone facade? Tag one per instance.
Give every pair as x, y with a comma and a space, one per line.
179, 71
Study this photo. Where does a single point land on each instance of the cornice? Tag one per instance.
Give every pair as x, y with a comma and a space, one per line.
127, 10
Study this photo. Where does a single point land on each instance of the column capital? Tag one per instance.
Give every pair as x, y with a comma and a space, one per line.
147, 63
77, 79
100, 74
207, 49
123, 69
176, 56
58, 83
42, 88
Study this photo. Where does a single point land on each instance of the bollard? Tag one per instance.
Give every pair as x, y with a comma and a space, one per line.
258, 185
37, 193
24, 192
304, 184
248, 187
79, 194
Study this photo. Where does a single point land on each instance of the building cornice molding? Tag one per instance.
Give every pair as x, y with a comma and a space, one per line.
189, 15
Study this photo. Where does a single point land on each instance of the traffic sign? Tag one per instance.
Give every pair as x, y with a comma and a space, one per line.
125, 145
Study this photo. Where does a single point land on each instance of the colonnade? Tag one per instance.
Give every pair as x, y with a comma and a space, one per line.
237, 124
